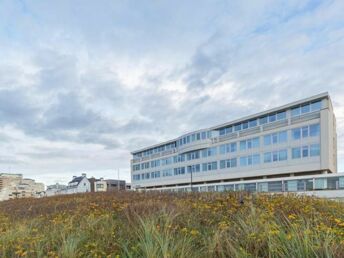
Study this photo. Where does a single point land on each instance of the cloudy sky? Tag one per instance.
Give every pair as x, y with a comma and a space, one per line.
83, 83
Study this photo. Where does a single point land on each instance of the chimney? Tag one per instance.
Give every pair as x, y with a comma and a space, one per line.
74, 177
83, 174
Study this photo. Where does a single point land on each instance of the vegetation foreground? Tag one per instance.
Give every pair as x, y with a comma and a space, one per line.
130, 224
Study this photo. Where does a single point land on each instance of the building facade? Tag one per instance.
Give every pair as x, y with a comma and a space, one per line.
297, 139
15, 186
79, 184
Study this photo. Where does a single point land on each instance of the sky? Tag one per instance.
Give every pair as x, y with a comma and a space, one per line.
83, 83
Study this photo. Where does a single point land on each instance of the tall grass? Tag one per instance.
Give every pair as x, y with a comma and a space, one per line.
172, 225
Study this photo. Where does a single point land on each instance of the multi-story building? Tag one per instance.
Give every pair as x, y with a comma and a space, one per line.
15, 186
297, 139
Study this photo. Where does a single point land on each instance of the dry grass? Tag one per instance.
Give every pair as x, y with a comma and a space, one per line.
129, 224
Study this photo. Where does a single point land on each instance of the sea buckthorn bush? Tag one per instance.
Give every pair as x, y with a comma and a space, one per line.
153, 224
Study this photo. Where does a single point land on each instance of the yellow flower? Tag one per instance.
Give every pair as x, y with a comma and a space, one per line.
194, 232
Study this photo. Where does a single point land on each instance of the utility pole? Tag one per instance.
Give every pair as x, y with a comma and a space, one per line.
118, 180
191, 178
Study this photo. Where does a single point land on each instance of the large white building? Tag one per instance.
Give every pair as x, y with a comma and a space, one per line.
294, 140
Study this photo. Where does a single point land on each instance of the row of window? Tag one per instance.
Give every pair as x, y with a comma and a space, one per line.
269, 139
305, 131
194, 137
249, 160
306, 108
254, 122
155, 150
294, 185
305, 151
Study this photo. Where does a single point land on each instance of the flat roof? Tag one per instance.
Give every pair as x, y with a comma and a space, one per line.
245, 118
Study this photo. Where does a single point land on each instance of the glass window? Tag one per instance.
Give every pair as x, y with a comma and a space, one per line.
267, 157
229, 130
204, 166
296, 153
255, 142
263, 120
233, 147
305, 151
283, 155
263, 187
295, 111
214, 165
237, 127
320, 183
267, 139
341, 182
253, 123
275, 186
223, 149
291, 186
272, 118
233, 162
242, 145
222, 131
274, 138
243, 161
204, 135
304, 130
282, 136
244, 125
314, 150
275, 156
314, 130
315, 106
255, 159
198, 136
281, 115
296, 133
305, 109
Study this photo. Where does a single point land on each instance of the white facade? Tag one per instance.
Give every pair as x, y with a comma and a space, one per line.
100, 186
294, 139
77, 185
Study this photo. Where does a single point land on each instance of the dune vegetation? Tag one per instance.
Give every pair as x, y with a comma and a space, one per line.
131, 224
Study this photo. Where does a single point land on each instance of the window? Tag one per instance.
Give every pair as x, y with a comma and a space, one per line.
281, 115
179, 171
249, 144
167, 172
244, 125
274, 156
267, 157
283, 137
274, 137
194, 168
283, 155
304, 151
296, 134
255, 159
267, 139
209, 166
229, 163
305, 109
252, 123
304, 131
237, 127
314, 150
263, 120
242, 145
295, 111
314, 130
315, 106
296, 153
209, 152
272, 118
243, 161
250, 160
